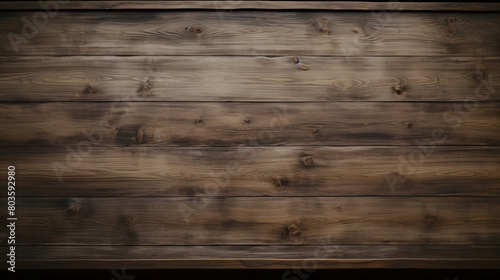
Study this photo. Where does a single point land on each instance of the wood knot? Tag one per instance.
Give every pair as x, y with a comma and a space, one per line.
315, 131
409, 125
323, 25
308, 161
398, 90
139, 137
144, 89
71, 211
199, 121
127, 219
107, 124
431, 217
339, 208
247, 121
195, 29
277, 183
90, 90
293, 229
479, 75
451, 19
355, 30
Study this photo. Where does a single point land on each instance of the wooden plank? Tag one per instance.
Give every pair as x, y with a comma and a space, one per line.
370, 263
252, 171
255, 221
262, 5
229, 124
226, 78
251, 33
322, 256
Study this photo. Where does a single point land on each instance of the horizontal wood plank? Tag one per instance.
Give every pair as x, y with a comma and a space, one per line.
250, 33
254, 221
253, 171
261, 5
230, 124
227, 78
322, 256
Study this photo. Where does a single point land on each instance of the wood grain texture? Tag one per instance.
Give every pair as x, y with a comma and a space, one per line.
252, 33
229, 124
227, 78
261, 5
254, 221
322, 255
256, 171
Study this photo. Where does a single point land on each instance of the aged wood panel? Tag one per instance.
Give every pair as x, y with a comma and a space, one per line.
229, 124
263, 264
252, 33
256, 171
226, 78
262, 5
253, 221
322, 255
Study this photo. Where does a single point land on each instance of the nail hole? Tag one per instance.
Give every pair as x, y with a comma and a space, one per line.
199, 121
409, 125
355, 31
247, 121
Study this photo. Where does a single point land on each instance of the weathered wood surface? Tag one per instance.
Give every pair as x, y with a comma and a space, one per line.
252, 33
394, 6
322, 255
230, 124
256, 171
254, 221
227, 78
187, 137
